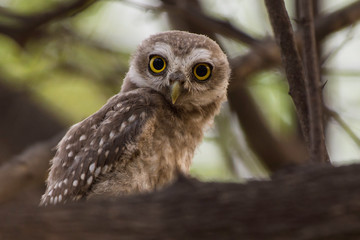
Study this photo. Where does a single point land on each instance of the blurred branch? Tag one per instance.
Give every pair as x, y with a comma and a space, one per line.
274, 153
23, 121
313, 84
27, 169
191, 12
337, 20
336, 50
336, 116
24, 26
242, 163
315, 202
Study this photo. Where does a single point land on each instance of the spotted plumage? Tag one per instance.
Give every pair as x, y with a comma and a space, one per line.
145, 135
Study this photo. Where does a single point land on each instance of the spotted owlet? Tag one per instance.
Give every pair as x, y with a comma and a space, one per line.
146, 134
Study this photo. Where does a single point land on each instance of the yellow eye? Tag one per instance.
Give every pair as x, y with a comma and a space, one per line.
157, 64
202, 71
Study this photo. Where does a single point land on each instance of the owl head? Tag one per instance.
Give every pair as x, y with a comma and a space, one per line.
187, 69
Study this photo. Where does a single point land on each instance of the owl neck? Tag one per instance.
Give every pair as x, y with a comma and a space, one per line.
198, 117
128, 86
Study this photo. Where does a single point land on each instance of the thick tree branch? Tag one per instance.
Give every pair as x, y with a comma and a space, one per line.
315, 202
313, 84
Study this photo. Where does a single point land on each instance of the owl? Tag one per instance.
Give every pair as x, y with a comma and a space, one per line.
145, 135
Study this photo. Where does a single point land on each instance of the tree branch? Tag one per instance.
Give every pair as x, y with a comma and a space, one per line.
291, 61
23, 27
336, 116
318, 150
197, 17
337, 20
314, 202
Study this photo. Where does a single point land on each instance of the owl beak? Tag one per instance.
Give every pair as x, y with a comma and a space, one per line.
175, 91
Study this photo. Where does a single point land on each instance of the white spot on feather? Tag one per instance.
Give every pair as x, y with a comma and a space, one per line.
123, 125
112, 134
82, 176
102, 140
75, 183
104, 170
132, 118
97, 171
71, 154
83, 137
107, 153
65, 191
60, 198
92, 168
89, 180
117, 150
77, 158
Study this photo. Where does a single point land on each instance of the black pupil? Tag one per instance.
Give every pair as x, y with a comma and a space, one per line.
158, 63
201, 70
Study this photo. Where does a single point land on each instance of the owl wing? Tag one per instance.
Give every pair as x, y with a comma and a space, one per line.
94, 146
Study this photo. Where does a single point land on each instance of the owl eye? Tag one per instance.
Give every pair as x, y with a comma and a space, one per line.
157, 64
202, 71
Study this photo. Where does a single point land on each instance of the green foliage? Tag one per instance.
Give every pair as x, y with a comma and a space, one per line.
270, 91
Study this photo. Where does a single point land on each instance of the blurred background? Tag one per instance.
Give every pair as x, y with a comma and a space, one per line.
59, 65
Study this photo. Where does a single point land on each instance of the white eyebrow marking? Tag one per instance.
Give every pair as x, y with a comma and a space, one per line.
199, 55
163, 49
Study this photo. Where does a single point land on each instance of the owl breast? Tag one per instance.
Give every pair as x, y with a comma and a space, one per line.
163, 150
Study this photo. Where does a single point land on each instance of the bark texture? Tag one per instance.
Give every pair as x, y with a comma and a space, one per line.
311, 202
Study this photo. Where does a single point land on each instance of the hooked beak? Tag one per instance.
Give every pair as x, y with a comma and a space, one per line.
175, 91
177, 80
